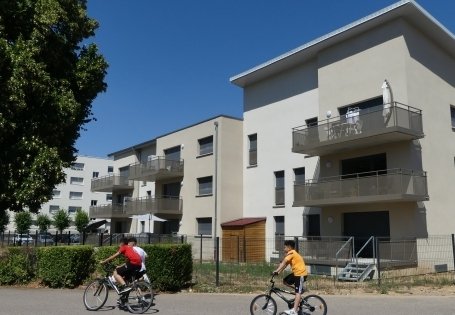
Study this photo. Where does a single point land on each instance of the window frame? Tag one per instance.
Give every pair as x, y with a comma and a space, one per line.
252, 149
74, 195
198, 223
199, 192
210, 149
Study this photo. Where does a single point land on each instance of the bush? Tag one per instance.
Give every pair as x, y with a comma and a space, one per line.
17, 266
101, 253
169, 267
64, 266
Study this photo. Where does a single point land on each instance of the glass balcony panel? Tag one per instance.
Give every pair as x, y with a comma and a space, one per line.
371, 127
157, 168
378, 186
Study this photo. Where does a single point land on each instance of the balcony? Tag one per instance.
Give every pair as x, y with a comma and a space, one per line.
369, 127
107, 211
154, 205
392, 185
111, 182
158, 168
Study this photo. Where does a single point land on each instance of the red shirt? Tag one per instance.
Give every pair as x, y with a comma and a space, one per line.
133, 257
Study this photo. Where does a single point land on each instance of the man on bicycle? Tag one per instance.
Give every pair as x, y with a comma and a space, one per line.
130, 268
298, 275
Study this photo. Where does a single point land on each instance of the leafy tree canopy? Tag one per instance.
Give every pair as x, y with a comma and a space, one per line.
81, 220
43, 221
23, 221
61, 220
48, 81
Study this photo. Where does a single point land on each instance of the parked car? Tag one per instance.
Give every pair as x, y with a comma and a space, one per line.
75, 238
23, 238
45, 239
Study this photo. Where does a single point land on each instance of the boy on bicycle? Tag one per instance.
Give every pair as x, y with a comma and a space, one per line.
298, 275
130, 268
132, 241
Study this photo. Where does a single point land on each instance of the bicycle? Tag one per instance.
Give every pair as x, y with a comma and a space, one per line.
138, 300
265, 304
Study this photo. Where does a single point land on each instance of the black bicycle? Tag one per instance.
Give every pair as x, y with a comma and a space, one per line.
265, 304
137, 300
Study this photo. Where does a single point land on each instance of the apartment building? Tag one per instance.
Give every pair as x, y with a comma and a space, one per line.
75, 193
352, 134
187, 181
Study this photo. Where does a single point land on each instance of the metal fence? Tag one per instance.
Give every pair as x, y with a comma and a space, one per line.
248, 261
12, 238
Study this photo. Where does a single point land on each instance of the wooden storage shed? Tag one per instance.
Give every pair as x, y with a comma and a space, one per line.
244, 240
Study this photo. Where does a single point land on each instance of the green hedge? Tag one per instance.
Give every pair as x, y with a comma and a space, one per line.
17, 265
170, 267
64, 266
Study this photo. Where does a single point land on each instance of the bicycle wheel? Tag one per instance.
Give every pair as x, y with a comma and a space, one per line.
313, 304
140, 298
263, 304
95, 295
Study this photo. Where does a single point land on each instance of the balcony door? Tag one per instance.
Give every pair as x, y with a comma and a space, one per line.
363, 225
172, 154
364, 165
171, 190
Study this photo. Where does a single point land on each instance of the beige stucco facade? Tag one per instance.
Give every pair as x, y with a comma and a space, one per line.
175, 196
346, 68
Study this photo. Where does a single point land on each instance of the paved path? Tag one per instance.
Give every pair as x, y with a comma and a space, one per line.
15, 301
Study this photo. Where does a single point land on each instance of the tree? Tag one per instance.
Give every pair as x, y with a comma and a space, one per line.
61, 220
23, 222
4, 220
81, 220
48, 81
44, 222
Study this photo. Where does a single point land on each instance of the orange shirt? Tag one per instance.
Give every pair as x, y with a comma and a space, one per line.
297, 264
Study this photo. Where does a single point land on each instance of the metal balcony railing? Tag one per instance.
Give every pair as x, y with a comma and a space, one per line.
368, 127
111, 182
154, 205
113, 210
157, 168
377, 186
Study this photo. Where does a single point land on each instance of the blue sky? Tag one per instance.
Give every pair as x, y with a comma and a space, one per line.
170, 60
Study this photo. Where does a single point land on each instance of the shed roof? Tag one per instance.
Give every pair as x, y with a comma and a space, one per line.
242, 222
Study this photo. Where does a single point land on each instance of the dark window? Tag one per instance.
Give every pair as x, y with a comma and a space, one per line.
110, 169
172, 153
204, 226
299, 175
313, 225
253, 149
205, 145
312, 122
364, 166
171, 189
279, 232
93, 202
452, 115
205, 185
372, 105
279, 188
95, 174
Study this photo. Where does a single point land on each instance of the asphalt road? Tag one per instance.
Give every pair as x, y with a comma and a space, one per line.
18, 301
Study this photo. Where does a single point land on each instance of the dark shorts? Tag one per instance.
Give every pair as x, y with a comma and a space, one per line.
127, 271
298, 282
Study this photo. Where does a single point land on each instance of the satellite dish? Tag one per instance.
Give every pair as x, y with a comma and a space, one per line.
328, 114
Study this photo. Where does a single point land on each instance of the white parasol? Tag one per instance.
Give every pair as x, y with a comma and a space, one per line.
387, 99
